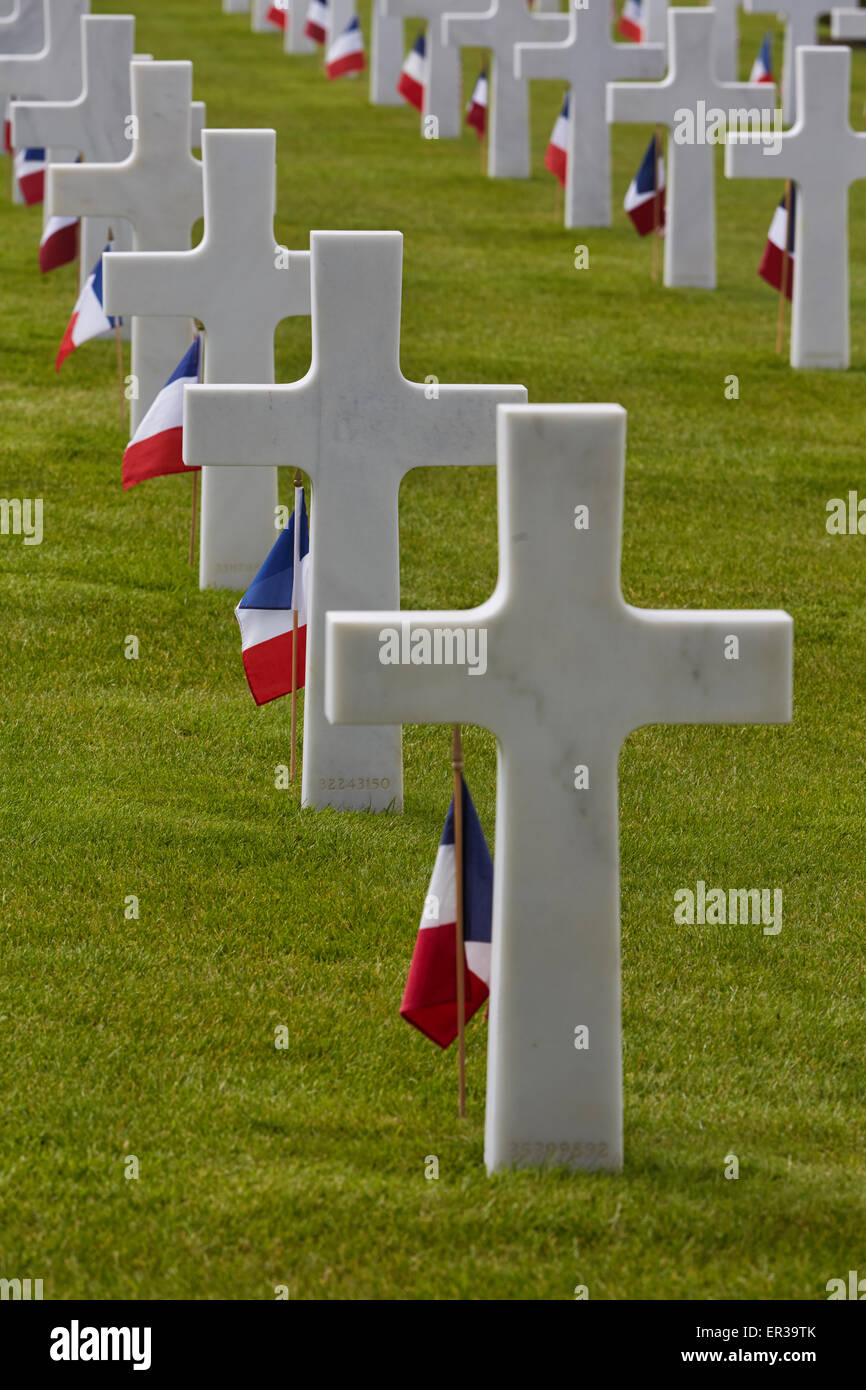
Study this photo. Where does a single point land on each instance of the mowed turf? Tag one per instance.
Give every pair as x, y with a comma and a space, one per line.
155, 1038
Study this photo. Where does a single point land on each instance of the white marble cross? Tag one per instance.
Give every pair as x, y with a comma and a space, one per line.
158, 191
259, 22
52, 70
801, 27
22, 27
94, 123
848, 24
690, 87
294, 38
726, 40
501, 28
241, 285
824, 156
340, 13
386, 56
655, 22
570, 670
588, 59
357, 426
442, 90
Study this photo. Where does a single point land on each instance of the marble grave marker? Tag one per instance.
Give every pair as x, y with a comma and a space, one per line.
690, 86
570, 671
357, 426
240, 284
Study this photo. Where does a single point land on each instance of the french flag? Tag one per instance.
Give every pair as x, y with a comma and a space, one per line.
89, 319
59, 244
316, 23
413, 75
346, 53
264, 613
556, 156
156, 448
631, 21
430, 997
772, 267
762, 68
30, 173
278, 14
645, 199
476, 111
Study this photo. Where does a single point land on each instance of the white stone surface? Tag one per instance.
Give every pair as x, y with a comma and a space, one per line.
572, 669
501, 28
22, 26
341, 13
726, 40
241, 285
690, 221
52, 69
386, 56
259, 17
357, 426
656, 21
294, 38
824, 156
848, 24
236, 6
442, 93
158, 191
94, 123
801, 27
588, 59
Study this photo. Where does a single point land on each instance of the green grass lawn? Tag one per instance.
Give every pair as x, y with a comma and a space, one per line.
155, 1038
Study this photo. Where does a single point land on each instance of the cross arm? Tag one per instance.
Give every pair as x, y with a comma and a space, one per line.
636, 103
264, 425
88, 190
545, 60
466, 31
848, 24
746, 156
153, 283
722, 667
647, 60
361, 689
38, 124
457, 425
413, 9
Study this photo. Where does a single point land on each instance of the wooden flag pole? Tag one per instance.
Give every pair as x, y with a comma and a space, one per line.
299, 483
192, 519
656, 217
117, 339
786, 261
199, 328
486, 121
457, 767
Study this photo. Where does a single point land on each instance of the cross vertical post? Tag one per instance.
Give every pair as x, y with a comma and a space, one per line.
240, 284
443, 85
501, 28
386, 56
94, 122
356, 425
688, 92
588, 59
824, 156
801, 30
157, 190
569, 670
